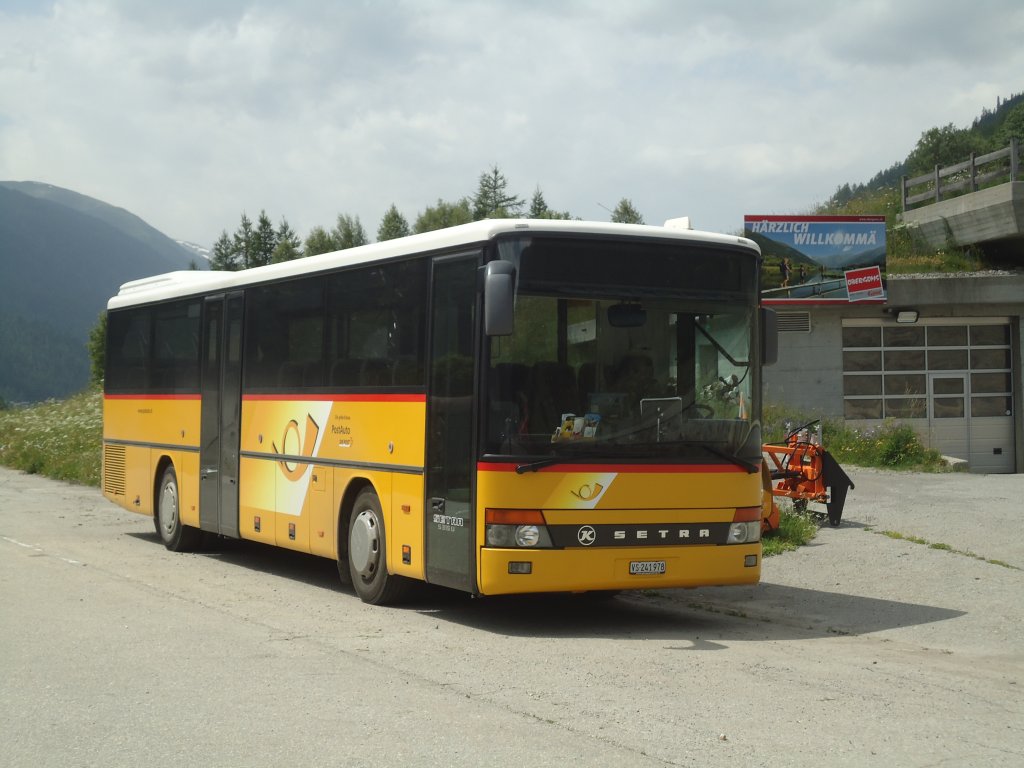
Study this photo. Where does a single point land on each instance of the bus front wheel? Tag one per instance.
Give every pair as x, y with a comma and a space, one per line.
167, 520
367, 553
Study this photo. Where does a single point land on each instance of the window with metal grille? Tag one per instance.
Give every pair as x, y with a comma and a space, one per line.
886, 367
114, 469
794, 322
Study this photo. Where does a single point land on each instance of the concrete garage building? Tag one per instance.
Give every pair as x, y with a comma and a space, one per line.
943, 355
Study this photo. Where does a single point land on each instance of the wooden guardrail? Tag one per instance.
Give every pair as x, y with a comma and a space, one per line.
968, 176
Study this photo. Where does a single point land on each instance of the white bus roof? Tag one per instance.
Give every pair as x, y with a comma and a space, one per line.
175, 284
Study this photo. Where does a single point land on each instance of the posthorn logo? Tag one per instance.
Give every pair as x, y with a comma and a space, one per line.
586, 535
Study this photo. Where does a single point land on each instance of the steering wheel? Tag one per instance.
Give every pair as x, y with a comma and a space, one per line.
703, 411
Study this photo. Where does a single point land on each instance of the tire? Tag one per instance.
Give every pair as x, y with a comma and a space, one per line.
367, 554
167, 520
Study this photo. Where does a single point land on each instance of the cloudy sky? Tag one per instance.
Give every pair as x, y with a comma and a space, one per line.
190, 112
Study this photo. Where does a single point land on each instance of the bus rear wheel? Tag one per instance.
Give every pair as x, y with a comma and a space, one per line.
167, 520
367, 553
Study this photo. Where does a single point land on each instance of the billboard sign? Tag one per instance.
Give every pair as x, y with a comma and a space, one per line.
807, 258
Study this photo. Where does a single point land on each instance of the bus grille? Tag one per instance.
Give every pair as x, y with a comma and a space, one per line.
113, 469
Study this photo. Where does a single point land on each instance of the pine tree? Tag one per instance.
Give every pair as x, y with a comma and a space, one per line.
243, 242
492, 199
319, 240
1012, 127
942, 146
539, 208
223, 256
348, 232
98, 349
392, 225
264, 239
289, 246
444, 214
625, 213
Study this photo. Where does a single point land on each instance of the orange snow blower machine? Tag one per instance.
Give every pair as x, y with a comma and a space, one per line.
802, 470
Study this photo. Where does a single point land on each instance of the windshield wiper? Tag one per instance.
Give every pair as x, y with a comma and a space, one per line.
533, 466
575, 453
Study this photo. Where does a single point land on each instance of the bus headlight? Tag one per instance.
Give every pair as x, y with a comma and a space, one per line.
746, 526
744, 533
516, 529
527, 535
499, 536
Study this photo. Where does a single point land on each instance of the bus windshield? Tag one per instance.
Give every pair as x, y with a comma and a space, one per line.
625, 350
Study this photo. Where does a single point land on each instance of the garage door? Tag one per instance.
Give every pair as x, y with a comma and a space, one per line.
950, 380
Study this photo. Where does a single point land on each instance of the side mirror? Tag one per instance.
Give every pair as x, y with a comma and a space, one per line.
769, 337
499, 298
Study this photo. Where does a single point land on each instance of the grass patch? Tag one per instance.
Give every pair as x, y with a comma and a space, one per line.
58, 439
908, 252
795, 530
943, 548
890, 445
902, 537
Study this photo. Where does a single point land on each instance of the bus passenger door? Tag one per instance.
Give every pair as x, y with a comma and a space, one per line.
221, 389
450, 468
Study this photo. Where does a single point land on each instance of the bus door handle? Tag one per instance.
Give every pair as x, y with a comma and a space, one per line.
207, 472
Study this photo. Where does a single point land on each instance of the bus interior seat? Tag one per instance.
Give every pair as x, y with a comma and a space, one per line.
313, 374
345, 372
551, 392
375, 372
507, 385
407, 372
508, 382
290, 374
635, 376
590, 380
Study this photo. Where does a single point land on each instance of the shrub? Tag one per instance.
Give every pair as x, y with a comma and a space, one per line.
56, 439
795, 529
890, 445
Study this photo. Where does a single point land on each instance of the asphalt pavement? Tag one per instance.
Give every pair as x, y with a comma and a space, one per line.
894, 639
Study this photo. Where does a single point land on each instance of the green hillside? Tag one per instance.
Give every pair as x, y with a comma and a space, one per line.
942, 146
62, 256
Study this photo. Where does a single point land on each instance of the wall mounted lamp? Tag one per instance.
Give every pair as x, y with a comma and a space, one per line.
905, 315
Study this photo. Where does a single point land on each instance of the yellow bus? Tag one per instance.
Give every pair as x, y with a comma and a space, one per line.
508, 406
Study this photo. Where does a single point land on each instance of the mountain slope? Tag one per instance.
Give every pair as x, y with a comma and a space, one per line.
127, 223
62, 256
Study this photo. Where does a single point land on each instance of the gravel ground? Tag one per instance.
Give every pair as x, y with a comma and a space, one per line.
857, 650
958, 592
974, 513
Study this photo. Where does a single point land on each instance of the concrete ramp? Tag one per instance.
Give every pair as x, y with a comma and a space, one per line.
985, 216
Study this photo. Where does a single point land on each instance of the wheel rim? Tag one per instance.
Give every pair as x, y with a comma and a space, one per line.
364, 544
168, 509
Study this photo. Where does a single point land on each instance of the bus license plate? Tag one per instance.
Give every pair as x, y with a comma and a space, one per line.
641, 567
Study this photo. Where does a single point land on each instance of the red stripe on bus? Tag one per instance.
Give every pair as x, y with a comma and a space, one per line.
486, 466
357, 398
192, 396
